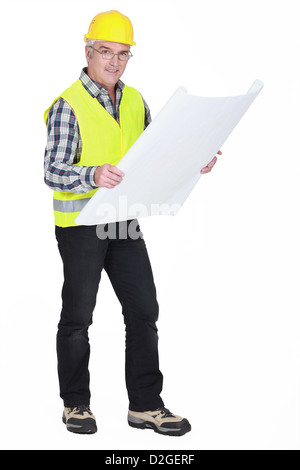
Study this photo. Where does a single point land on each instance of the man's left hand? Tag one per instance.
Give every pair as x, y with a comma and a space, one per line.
209, 167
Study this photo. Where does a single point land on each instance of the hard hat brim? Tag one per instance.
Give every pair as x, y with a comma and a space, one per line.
87, 37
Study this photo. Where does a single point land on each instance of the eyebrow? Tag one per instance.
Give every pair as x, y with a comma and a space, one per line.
109, 49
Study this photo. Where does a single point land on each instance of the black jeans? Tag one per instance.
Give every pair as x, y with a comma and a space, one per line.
127, 264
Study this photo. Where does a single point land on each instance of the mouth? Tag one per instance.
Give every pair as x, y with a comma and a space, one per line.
112, 70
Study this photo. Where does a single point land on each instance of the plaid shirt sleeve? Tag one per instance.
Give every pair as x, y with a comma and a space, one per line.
63, 149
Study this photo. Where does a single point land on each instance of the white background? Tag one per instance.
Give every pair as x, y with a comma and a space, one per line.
226, 268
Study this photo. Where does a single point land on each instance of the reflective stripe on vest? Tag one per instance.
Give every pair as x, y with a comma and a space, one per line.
75, 205
103, 140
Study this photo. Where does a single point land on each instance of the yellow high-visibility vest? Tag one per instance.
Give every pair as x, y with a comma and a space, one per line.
103, 140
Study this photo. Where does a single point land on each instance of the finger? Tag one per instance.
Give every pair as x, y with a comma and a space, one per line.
109, 183
219, 152
112, 176
212, 163
206, 169
116, 171
113, 179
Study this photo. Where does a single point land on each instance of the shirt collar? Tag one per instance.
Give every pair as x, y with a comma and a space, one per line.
94, 88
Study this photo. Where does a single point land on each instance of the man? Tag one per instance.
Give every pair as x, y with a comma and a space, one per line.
90, 128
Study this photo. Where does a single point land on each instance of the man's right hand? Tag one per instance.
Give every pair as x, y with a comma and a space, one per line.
108, 176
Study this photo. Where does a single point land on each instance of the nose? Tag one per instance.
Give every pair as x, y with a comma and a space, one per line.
114, 60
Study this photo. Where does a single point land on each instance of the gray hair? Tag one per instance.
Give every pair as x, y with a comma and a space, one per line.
90, 43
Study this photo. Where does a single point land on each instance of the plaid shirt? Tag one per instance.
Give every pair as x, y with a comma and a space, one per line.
64, 143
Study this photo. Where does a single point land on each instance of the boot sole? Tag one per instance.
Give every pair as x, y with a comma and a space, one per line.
88, 426
176, 431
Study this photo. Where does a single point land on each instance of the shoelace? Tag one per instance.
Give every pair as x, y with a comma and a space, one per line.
165, 412
81, 409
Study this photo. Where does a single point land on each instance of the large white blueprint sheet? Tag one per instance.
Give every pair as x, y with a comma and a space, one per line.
163, 165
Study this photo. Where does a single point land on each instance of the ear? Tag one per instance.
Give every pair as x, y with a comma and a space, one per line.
87, 53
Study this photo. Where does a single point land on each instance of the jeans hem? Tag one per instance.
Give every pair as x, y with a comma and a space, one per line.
75, 403
151, 406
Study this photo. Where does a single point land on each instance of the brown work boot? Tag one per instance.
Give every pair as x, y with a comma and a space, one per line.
80, 420
161, 421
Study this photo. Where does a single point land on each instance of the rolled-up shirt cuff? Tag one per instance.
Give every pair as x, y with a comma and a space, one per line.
87, 177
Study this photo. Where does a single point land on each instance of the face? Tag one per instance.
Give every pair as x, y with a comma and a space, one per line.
103, 71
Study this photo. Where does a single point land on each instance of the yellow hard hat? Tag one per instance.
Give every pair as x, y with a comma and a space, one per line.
111, 26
